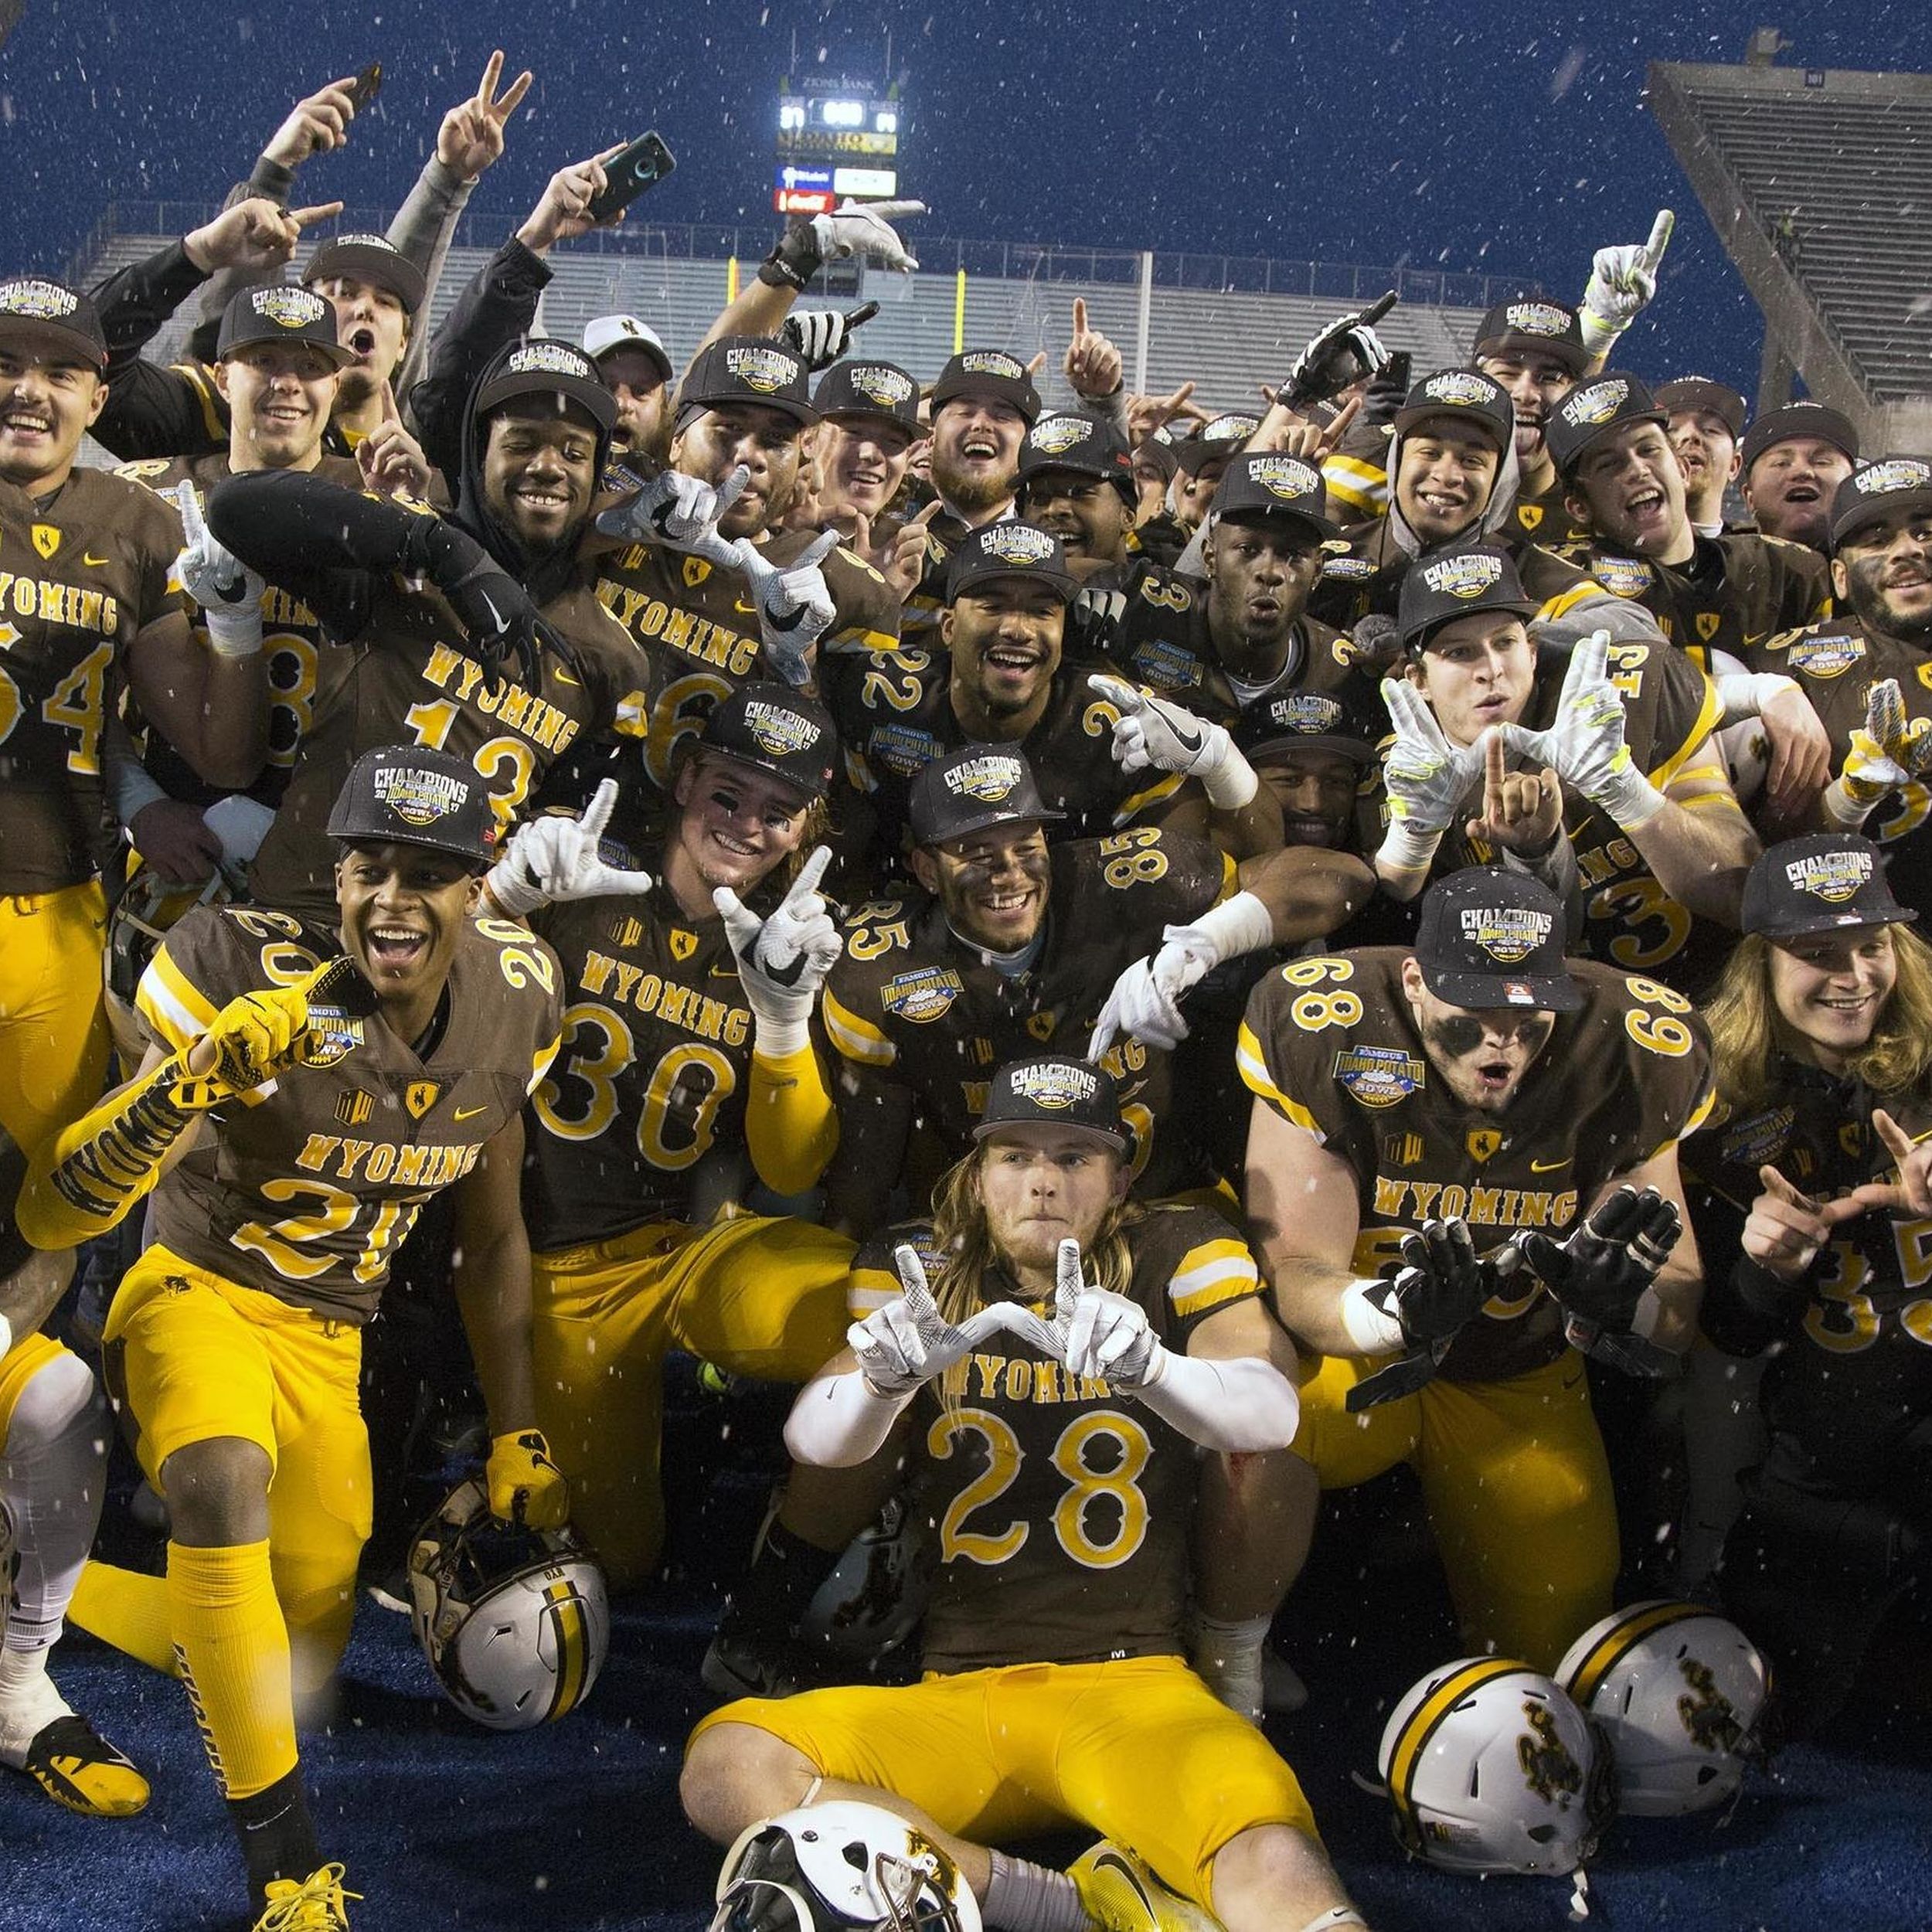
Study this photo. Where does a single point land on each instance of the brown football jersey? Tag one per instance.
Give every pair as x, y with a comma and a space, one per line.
1544, 519
411, 679
306, 1187
912, 1004
301, 664
697, 626
1366, 579
653, 1075
1064, 1511
82, 573
1331, 1044
1836, 663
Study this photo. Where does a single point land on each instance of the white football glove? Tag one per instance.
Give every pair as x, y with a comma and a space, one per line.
675, 511
1151, 734
1585, 743
1622, 281
1140, 1006
1102, 1334
1427, 779
554, 859
865, 229
1891, 750
908, 1342
228, 593
795, 608
783, 960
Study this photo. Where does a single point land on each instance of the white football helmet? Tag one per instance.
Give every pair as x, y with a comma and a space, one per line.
876, 1593
514, 1622
826, 1868
1678, 1692
1492, 1769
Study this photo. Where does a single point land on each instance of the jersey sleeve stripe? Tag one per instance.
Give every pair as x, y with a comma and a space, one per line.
1699, 1115
1360, 486
540, 1065
1254, 1070
1709, 713
1214, 1273
172, 1005
868, 1290
1168, 784
857, 1039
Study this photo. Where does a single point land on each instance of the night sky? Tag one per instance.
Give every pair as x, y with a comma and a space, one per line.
1517, 143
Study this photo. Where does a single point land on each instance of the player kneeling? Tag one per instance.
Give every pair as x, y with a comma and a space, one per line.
1056, 1420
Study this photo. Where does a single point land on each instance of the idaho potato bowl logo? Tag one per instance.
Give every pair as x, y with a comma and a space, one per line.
1285, 477
989, 780
1467, 576
1057, 434
1893, 473
766, 370
420, 797
550, 358
1833, 876
288, 306
1507, 934
1308, 713
1535, 319
779, 731
1230, 429
991, 361
1055, 1086
886, 386
1016, 543
44, 302
1461, 388
1596, 404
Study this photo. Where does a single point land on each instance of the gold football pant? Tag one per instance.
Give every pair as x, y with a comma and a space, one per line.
53, 1028
761, 1298
1517, 1485
1138, 1750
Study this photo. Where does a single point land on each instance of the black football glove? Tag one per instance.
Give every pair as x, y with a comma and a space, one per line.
1442, 1284
1093, 621
495, 610
1344, 353
1598, 1274
1387, 390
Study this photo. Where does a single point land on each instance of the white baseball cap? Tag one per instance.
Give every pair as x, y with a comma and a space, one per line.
607, 332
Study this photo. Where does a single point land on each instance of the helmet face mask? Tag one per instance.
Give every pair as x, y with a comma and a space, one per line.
142, 917
514, 1622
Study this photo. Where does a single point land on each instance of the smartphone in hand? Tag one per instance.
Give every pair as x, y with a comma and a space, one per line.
642, 164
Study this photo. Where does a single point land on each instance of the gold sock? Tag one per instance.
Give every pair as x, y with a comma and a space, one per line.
129, 1610
233, 1647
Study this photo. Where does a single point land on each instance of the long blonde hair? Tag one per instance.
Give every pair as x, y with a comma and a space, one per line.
1745, 1026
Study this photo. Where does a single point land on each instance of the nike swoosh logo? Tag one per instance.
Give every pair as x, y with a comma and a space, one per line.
88, 557
1112, 1862
1548, 1167
564, 677
1188, 740
468, 1113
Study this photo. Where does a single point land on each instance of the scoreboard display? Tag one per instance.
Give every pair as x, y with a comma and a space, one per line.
837, 140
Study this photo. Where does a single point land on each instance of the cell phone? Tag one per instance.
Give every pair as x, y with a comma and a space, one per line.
366, 85
642, 164
1397, 374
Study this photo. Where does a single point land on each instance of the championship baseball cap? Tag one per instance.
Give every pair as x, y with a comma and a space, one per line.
370, 258
1875, 490
1053, 1090
1593, 409
1812, 421
408, 795
1350, 720
603, 333
879, 390
280, 312
1490, 938
970, 789
33, 308
1009, 549
1481, 400
1701, 392
1819, 883
1534, 322
1219, 437
1266, 483
1447, 584
1082, 443
748, 369
541, 366
1157, 449
990, 374
779, 730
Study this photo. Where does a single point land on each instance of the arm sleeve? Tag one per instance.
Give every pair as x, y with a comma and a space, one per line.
1238, 1405
422, 230
790, 1125
150, 411
838, 1421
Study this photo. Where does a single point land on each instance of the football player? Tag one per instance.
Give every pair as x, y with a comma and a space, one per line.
1704, 421
636, 367
1052, 1356
686, 1045
310, 1087
1814, 1181
1867, 672
1423, 1121
1535, 349
506, 658
863, 447
1792, 459
1620, 764
1076, 481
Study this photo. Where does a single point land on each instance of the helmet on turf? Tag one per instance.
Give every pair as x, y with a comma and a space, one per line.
514, 1622
1492, 1769
875, 1596
1677, 1690
826, 1868
147, 909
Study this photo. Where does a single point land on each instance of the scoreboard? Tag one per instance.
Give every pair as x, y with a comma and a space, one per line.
837, 140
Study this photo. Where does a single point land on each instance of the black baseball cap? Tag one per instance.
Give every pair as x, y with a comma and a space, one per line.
541, 366
1490, 938
1875, 490
408, 795
33, 308
1082, 443
1702, 392
1350, 720
1265, 483
1009, 549
1593, 409
280, 312
1054, 1089
1534, 322
370, 258
989, 373
970, 789
1466, 393
1159, 449
1447, 584
878, 390
1819, 883
748, 369
1812, 421
1219, 437
779, 730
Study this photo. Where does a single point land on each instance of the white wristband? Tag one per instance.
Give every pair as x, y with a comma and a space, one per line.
132, 787
1370, 1329
1744, 694
1630, 798
1230, 783
1241, 923
1843, 810
778, 1039
1408, 847
234, 634
6, 1337
515, 893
